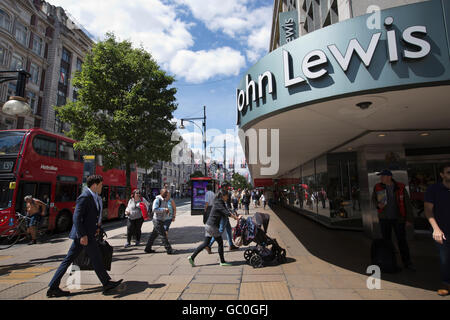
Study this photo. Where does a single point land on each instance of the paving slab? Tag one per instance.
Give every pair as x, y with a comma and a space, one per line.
336, 294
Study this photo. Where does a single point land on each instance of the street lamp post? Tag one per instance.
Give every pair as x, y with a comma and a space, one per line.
224, 156
16, 105
203, 132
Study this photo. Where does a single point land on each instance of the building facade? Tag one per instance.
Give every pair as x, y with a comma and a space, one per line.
348, 89
44, 41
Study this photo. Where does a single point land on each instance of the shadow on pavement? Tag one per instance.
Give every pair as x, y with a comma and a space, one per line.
135, 287
351, 250
7, 269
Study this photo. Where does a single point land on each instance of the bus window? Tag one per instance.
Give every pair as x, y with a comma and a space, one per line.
113, 193
43, 194
105, 196
65, 192
66, 151
45, 146
25, 189
121, 193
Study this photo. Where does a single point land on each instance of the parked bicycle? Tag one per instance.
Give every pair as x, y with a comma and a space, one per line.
18, 233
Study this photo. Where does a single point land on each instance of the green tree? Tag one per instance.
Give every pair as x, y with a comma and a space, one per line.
124, 108
238, 181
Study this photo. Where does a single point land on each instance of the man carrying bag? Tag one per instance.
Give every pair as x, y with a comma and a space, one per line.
83, 233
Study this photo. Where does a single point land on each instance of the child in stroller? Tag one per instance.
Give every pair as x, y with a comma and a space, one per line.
253, 229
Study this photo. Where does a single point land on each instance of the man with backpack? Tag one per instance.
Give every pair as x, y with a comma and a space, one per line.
160, 213
394, 212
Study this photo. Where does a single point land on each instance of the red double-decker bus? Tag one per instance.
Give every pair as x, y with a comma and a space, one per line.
45, 165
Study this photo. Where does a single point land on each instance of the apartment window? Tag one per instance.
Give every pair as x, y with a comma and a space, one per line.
37, 45
79, 64
2, 55
61, 100
11, 89
21, 33
5, 21
66, 55
63, 75
34, 71
32, 101
16, 62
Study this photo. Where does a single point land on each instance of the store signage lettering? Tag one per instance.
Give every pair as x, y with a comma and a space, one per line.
289, 28
318, 59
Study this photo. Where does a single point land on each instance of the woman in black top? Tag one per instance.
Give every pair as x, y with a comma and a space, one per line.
218, 211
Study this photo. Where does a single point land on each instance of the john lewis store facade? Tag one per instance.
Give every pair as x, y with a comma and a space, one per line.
349, 101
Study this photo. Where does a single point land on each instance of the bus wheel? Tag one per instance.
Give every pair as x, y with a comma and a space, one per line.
63, 222
121, 213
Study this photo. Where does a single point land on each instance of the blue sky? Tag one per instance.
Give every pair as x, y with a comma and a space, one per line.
206, 45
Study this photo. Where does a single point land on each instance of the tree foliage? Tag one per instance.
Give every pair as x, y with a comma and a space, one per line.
125, 106
238, 181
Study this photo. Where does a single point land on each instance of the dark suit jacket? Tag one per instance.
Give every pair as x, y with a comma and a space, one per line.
85, 217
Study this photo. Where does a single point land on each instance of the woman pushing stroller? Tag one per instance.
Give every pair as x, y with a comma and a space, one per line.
218, 211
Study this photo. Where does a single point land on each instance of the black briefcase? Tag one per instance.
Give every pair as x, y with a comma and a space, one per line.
106, 250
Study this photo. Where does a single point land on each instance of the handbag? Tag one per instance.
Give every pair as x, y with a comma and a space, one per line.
106, 250
144, 210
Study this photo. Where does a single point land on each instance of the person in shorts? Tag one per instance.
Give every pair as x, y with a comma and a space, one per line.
35, 210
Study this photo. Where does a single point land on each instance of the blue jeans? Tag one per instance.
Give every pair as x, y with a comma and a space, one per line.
167, 224
224, 223
444, 253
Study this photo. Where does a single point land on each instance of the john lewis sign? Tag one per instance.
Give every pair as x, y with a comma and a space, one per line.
347, 58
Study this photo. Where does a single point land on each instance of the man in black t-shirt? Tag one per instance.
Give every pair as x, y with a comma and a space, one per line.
437, 210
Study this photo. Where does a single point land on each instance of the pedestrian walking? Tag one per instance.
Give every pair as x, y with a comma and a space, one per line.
84, 229
218, 211
160, 214
394, 212
437, 210
246, 201
135, 217
172, 214
264, 201
35, 210
209, 201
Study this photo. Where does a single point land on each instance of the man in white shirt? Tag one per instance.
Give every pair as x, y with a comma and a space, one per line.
209, 201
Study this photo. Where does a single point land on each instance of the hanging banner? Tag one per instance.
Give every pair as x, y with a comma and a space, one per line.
288, 26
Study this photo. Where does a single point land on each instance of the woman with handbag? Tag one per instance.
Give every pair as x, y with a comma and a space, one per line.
135, 211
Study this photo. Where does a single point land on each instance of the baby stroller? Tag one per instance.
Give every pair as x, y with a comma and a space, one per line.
267, 250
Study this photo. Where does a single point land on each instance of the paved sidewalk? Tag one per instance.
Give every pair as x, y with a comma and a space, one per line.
26, 270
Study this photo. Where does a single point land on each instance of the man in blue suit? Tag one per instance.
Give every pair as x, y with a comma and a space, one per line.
84, 229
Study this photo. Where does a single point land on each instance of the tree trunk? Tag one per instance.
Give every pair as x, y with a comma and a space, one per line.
128, 174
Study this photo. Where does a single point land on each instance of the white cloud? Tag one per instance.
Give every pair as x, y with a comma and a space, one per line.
157, 26
237, 19
202, 65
